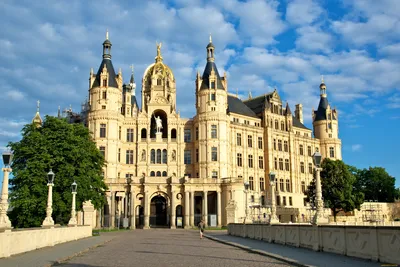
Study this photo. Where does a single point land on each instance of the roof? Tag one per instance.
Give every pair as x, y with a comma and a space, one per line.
111, 74
298, 124
235, 105
257, 104
206, 74
288, 111
320, 113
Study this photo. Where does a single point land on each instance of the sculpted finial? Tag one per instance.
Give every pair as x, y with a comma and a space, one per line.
322, 78
210, 38
107, 34
158, 49
131, 67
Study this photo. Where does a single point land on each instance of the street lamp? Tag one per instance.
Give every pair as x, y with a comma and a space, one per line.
126, 220
246, 190
318, 217
72, 221
48, 221
274, 218
4, 220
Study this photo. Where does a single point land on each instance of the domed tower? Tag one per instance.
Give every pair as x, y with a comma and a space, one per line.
326, 127
212, 121
105, 102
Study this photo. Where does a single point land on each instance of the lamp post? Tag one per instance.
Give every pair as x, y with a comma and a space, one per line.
318, 217
4, 220
246, 190
72, 221
48, 221
127, 198
273, 218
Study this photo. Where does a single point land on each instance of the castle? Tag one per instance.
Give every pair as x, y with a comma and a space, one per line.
164, 170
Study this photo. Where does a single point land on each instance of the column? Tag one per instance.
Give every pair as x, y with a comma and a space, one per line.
112, 210
187, 209
125, 202
219, 222
5, 222
173, 209
205, 207
133, 211
192, 209
146, 211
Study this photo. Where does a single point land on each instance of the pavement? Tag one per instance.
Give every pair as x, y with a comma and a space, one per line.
291, 255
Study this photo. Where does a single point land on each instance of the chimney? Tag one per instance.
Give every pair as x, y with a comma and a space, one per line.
299, 112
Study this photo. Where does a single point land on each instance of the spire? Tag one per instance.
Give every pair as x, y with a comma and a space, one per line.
159, 57
322, 87
107, 34
37, 120
288, 111
59, 112
132, 81
210, 51
210, 39
250, 96
107, 47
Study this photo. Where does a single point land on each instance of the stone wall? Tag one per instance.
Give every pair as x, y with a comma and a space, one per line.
19, 241
378, 243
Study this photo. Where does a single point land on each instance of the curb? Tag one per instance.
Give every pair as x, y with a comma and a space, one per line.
63, 260
260, 252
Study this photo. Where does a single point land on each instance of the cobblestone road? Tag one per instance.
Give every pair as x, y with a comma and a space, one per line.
165, 247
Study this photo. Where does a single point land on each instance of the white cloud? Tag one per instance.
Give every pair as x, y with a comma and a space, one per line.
15, 95
356, 147
303, 12
8, 134
312, 38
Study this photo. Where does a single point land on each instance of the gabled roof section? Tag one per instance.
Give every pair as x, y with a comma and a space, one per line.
298, 124
257, 104
205, 84
111, 72
235, 105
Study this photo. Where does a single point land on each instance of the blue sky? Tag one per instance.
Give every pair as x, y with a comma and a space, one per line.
48, 48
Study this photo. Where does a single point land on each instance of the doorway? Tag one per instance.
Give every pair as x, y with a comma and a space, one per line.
158, 212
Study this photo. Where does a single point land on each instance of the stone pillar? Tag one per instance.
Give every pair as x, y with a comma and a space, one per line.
88, 210
5, 222
173, 209
219, 218
133, 210
192, 209
187, 205
146, 210
112, 210
125, 201
205, 207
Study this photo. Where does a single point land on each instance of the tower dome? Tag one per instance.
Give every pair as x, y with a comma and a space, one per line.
159, 70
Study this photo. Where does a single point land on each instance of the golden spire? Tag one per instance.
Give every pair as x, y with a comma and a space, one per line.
37, 120
107, 34
158, 57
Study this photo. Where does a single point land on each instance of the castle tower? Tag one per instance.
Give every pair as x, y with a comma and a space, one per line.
326, 127
212, 122
105, 104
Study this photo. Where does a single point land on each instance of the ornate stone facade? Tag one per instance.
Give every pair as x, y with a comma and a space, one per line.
164, 170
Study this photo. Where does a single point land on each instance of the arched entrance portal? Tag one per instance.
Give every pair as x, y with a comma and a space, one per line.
158, 212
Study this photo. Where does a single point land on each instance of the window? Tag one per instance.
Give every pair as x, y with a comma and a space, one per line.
129, 135
290, 201
239, 139
278, 201
214, 174
214, 153
119, 132
260, 143
261, 162
187, 157
309, 151
250, 161
262, 184
158, 173
187, 136
212, 108
280, 145
103, 151
119, 154
104, 94
164, 173
281, 164
285, 146
153, 156
213, 86
129, 157
302, 167
301, 150
329, 126
281, 185
143, 133
284, 201
287, 166
263, 203
103, 130
197, 133
274, 144
239, 159
158, 81
276, 163
152, 174
103, 107
105, 83
197, 155
303, 187
213, 97
158, 156
250, 141
173, 134
251, 183
276, 125
310, 168
164, 156
282, 126
331, 152
213, 131
287, 185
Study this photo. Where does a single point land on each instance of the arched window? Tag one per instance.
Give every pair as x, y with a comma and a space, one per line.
158, 81
158, 173
173, 133
152, 173
143, 133
276, 125
164, 156
153, 156
159, 156
282, 126
164, 173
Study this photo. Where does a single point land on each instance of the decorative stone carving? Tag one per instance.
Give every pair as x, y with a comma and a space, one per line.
143, 155
179, 196
173, 155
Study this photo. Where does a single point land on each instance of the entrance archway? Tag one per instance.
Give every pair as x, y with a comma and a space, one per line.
158, 212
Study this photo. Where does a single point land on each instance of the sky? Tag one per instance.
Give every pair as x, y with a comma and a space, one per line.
48, 47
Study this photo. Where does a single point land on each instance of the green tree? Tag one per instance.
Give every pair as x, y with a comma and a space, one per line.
338, 187
376, 184
69, 151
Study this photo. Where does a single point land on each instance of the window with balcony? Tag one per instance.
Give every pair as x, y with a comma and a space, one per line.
290, 201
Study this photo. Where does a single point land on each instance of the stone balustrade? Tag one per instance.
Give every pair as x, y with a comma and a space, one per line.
377, 243
18, 241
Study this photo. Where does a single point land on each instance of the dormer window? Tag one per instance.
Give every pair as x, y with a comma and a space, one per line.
212, 85
105, 83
